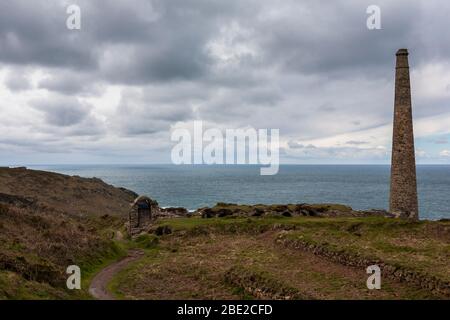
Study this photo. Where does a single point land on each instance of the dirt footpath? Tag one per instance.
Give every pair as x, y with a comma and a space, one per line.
98, 284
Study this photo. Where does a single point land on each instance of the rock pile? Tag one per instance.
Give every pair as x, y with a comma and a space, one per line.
289, 210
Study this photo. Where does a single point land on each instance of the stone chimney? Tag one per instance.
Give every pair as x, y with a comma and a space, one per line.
403, 197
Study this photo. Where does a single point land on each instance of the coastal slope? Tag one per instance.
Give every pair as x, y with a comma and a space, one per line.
69, 194
49, 221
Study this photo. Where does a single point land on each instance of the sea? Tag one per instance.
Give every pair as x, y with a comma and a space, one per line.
195, 186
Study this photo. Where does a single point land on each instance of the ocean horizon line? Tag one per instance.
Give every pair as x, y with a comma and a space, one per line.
211, 165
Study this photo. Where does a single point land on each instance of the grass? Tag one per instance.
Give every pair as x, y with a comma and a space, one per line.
92, 267
422, 246
147, 241
132, 270
410, 244
36, 247
16, 287
193, 261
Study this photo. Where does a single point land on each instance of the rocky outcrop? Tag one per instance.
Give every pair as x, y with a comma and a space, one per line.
289, 210
173, 212
17, 201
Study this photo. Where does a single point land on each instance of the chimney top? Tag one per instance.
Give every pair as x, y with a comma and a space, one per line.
402, 52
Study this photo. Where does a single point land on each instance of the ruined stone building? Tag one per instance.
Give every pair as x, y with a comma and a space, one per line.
142, 212
403, 196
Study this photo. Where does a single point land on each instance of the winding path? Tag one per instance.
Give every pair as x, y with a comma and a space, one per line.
100, 281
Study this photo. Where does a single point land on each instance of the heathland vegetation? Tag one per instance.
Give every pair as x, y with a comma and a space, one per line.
228, 251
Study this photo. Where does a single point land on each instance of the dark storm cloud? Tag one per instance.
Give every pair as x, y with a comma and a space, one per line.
167, 44
332, 37
146, 41
310, 68
123, 41
34, 33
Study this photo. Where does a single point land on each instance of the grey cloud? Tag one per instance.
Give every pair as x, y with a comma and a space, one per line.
139, 113
442, 140
90, 127
356, 143
62, 112
262, 95
314, 69
34, 33
296, 145
337, 39
71, 83
165, 40
327, 107
160, 42
336, 153
17, 81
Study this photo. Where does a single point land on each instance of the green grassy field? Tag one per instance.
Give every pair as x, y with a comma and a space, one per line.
232, 257
226, 258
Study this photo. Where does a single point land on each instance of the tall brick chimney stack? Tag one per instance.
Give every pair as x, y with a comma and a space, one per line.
403, 198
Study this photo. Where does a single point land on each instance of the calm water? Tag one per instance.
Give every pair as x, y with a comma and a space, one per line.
362, 187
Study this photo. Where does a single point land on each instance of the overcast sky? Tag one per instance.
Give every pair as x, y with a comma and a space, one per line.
112, 91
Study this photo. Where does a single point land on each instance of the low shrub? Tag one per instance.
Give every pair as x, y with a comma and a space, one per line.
147, 241
4, 209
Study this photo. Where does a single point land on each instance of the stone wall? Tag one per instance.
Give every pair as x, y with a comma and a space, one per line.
439, 287
262, 286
